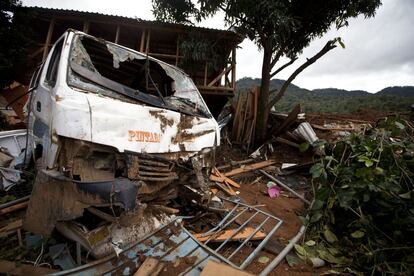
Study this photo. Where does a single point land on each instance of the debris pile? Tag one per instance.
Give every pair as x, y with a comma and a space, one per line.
129, 173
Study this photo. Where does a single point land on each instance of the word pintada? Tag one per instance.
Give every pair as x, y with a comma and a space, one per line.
143, 136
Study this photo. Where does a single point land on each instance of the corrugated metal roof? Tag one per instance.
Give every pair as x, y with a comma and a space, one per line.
131, 20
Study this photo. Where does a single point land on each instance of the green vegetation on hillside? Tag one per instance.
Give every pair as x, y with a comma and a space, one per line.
337, 100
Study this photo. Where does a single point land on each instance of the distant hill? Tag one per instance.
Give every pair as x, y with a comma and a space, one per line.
403, 91
396, 98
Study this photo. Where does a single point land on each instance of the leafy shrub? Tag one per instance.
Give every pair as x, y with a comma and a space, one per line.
363, 214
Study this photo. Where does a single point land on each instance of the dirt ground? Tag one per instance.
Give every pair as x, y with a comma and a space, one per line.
287, 207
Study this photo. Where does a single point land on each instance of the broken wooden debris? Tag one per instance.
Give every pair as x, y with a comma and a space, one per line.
250, 167
257, 180
286, 142
151, 266
290, 120
217, 176
11, 228
214, 268
14, 207
245, 117
228, 190
235, 163
229, 234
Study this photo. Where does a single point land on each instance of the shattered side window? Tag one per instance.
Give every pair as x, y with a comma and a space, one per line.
101, 67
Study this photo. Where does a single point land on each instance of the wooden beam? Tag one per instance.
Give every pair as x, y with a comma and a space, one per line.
217, 176
177, 52
118, 30
223, 235
233, 72
214, 268
86, 25
48, 38
142, 45
205, 74
248, 168
148, 41
15, 207
219, 76
151, 266
37, 52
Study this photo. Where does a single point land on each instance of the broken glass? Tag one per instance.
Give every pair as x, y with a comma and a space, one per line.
106, 68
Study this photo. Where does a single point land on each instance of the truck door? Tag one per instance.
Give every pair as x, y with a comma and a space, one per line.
43, 98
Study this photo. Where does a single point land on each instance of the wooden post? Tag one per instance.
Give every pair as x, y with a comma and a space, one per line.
148, 41
48, 38
86, 26
142, 45
117, 34
177, 51
205, 74
233, 71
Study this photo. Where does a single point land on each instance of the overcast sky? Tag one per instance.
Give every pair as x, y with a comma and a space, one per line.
379, 51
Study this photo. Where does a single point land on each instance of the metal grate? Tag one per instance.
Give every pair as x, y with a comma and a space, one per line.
240, 218
182, 252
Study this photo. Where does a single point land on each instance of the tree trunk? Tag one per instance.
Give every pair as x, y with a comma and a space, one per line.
263, 111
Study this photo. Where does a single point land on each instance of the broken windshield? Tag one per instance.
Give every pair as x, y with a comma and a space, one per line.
114, 71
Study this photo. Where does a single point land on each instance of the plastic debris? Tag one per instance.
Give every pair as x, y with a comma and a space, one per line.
272, 189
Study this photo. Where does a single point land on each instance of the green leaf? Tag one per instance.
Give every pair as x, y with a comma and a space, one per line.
304, 147
406, 195
317, 204
303, 220
399, 125
358, 234
292, 260
300, 250
317, 170
329, 236
310, 243
323, 254
315, 217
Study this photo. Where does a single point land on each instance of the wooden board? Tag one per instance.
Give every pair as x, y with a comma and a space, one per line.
223, 235
151, 266
14, 207
216, 269
217, 176
250, 167
11, 227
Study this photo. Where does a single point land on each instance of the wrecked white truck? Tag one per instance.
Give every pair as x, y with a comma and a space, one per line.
116, 135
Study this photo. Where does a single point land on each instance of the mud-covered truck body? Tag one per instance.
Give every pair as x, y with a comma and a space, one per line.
112, 128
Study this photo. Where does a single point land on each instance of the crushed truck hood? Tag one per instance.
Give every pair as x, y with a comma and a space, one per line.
132, 127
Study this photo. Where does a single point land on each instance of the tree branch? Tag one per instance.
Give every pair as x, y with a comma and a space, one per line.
328, 46
276, 59
283, 67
